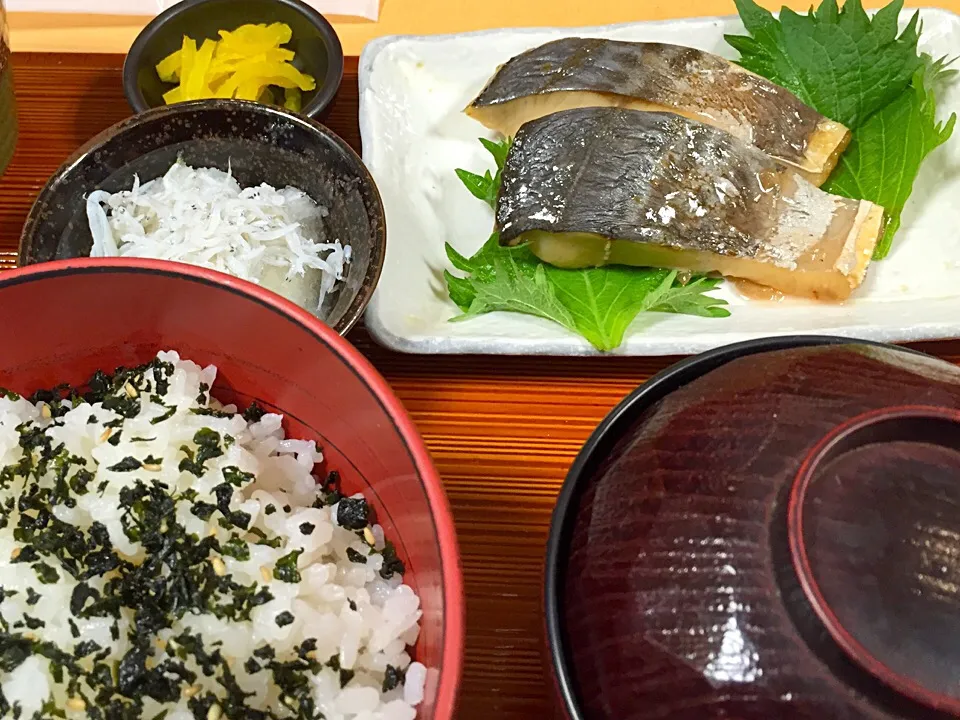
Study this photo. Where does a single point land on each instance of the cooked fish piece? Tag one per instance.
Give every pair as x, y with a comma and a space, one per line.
596, 186
581, 72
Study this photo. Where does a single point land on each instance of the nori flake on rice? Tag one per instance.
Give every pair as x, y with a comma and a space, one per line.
392, 677
353, 513
356, 557
286, 568
161, 604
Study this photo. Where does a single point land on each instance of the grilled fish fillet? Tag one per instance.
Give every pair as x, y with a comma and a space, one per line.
595, 186
580, 72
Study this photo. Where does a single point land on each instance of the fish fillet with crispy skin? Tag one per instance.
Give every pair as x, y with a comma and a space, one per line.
582, 72
596, 186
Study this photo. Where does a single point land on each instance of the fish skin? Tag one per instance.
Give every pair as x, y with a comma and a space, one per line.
633, 175
675, 77
664, 181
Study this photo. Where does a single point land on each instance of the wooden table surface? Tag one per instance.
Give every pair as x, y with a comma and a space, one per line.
503, 431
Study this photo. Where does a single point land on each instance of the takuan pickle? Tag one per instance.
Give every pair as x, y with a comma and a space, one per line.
246, 64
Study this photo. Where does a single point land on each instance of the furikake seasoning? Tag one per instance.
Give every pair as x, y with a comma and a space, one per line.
154, 578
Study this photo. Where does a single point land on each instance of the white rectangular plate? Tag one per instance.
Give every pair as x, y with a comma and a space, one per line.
412, 93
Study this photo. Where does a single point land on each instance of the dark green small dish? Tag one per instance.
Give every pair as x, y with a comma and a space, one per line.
315, 42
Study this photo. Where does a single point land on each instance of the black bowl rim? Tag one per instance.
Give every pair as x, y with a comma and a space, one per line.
377, 252
325, 94
656, 388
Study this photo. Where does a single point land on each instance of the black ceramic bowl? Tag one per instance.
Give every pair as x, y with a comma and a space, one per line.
260, 144
317, 47
768, 530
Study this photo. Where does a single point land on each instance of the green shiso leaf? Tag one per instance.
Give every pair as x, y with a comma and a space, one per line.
839, 61
866, 74
886, 152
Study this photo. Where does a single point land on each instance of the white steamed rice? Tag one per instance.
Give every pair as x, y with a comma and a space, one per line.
360, 621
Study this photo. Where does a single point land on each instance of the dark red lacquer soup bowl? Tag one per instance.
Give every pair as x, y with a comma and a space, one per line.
62, 321
770, 531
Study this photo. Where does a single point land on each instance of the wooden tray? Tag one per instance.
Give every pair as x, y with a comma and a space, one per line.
502, 430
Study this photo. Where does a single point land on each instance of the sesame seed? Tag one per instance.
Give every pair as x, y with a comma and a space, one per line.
152, 467
214, 712
218, 567
76, 704
265, 573
189, 692
45, 411
106, 434
368, 536
16, 553
130, 390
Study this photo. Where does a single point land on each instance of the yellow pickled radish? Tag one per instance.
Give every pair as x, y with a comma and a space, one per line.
286, 75
169, 68
247, 63
188, 54
249, 90
193, 83
230, 85
223, 90
292, 99
254, 39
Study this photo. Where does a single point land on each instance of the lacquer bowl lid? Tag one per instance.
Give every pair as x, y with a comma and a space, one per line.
874, 533
771, 530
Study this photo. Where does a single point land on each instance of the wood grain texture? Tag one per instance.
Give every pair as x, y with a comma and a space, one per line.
502, 430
